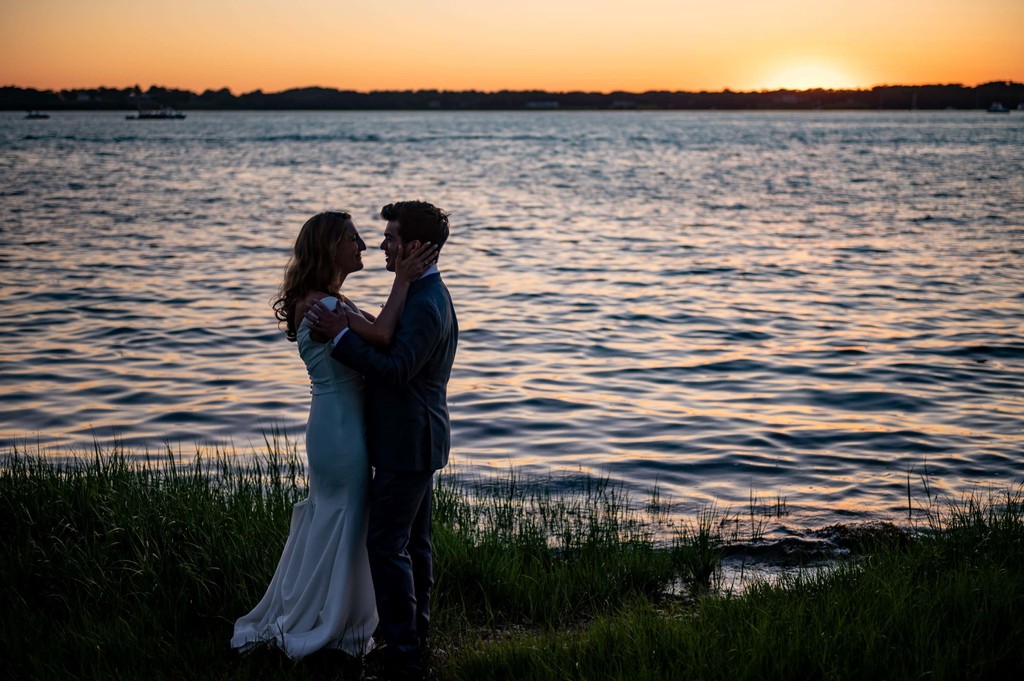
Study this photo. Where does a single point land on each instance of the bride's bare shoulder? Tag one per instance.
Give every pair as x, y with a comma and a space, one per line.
307, 302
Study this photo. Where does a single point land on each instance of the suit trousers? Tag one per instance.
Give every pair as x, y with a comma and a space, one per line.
401, 556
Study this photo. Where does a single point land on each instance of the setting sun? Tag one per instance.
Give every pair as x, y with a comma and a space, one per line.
598, 45
809, 75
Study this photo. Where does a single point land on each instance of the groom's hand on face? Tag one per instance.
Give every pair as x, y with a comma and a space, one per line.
326, 323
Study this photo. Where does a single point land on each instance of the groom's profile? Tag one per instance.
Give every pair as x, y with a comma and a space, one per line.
408, 432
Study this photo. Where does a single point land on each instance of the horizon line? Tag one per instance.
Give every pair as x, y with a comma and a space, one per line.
498, 91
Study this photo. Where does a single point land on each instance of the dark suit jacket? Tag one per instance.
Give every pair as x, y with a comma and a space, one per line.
408, 428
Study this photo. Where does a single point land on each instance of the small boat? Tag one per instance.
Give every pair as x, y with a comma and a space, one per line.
163, 113
997, 107
37, 115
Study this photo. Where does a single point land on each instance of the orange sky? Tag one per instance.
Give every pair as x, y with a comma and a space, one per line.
597, 45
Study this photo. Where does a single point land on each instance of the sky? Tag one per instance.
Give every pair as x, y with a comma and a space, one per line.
555, 45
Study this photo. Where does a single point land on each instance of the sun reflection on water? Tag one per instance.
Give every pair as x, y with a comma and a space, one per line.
713, 302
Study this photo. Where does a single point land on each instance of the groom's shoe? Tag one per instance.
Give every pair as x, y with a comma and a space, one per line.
389, 664
329, 661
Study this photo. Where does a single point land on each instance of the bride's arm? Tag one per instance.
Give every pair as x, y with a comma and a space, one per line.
302, 307
379, 331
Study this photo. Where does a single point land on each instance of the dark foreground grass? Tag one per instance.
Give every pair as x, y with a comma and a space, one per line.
116, 568
949, 606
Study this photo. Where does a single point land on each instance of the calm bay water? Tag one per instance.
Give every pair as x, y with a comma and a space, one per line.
803, 304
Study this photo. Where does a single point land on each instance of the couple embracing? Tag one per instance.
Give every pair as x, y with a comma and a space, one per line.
358, 558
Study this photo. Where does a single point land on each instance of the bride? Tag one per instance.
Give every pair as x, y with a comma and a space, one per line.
321, 595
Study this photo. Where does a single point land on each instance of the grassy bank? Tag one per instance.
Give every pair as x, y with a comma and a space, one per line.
114, 568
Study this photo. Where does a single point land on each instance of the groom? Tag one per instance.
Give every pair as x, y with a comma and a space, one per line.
408, 431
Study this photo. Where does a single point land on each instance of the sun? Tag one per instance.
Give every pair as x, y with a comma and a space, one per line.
809, 75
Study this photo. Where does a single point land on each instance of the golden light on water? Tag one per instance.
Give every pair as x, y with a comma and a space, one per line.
704, 301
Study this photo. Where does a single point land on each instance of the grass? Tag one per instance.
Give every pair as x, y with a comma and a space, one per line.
115, 567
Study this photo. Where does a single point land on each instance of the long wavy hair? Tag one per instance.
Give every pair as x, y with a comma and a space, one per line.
311, 266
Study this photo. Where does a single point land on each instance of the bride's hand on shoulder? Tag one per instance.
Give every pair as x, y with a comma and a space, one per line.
410, 266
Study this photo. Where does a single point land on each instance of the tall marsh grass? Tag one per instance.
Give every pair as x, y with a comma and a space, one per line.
946, 605
115, 566
118, 566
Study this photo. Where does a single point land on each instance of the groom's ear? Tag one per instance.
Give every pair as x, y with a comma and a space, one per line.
411, 246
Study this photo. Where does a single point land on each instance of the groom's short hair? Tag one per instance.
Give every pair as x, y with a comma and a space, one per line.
418, 221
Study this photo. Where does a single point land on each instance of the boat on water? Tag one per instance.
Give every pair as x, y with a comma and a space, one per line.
163, 113
997, 107
37, 115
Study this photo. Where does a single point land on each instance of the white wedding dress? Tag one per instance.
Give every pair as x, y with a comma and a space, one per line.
321, 595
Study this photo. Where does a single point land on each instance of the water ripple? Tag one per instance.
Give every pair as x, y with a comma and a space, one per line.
817, 305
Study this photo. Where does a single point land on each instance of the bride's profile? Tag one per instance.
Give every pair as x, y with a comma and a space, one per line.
321, 594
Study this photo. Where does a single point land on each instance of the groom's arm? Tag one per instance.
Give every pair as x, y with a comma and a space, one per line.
413, 343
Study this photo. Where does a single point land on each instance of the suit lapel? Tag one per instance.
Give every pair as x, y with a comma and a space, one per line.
421, 284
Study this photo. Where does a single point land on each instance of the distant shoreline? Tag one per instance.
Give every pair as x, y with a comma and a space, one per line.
895, 97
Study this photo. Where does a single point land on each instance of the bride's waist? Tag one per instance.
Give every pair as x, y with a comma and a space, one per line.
341, 385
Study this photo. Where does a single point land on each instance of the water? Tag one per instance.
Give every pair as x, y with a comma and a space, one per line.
812, 306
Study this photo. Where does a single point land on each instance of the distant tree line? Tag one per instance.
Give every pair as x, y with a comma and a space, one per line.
313, 98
